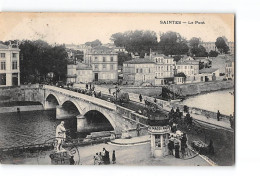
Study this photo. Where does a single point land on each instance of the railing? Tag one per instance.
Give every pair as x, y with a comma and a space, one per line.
82, 97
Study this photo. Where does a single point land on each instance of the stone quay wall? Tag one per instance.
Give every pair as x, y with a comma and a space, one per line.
197, 88
21, 93
22, 108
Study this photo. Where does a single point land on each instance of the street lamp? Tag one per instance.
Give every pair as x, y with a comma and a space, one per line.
116, 91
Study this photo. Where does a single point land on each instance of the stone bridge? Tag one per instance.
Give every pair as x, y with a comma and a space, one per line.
71, 104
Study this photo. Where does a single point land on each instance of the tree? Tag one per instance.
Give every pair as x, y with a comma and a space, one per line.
137, 41
171, 43
122, 57
196, 48
213, 53
94, 43
38, 59
222, 45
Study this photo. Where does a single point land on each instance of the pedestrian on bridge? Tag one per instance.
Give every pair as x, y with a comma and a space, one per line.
218, 115
140, 98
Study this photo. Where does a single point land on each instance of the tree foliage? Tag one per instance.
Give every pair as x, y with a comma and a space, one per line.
137, 41
94, 43
213, 53
222, 45
171, 43
122, 57
196, 48
38, 59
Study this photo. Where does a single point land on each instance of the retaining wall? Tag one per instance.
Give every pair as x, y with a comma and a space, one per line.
22, 108
197, 88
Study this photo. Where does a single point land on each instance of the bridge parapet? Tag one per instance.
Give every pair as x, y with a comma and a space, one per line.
82, 97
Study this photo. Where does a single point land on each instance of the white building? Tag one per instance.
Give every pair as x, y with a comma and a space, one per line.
9, 65
189, 67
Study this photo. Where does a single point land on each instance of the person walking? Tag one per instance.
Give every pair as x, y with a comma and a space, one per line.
177, 150
183, 144
140, 98
109, 90
114, 157
218, 115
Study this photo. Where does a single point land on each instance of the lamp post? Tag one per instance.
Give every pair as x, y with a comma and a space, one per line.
116, 91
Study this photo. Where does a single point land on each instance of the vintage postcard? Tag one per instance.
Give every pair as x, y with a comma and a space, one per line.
136, 89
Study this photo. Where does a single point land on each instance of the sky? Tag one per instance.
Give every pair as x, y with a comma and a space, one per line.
78, 28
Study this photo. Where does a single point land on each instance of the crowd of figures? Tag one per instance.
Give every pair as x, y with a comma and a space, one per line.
103, 157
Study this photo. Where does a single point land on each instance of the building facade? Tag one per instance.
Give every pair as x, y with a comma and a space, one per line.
189, 67
230, 69
139, 72
10, 65
100, 64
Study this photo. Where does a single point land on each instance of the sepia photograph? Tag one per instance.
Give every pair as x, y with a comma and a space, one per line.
117, 89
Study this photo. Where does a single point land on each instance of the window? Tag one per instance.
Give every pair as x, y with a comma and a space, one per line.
137, 70
14, 65
191, 67
14, 55
185, 67
104, 66
2, 55
96, 66
2, 65
96, 58
3, 79
112, 67
179, 67
149, 70
141, 70
111, 59
104, 60
157, 140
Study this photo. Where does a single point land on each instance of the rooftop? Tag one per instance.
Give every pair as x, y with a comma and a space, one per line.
2, 46
139, 61
208, 70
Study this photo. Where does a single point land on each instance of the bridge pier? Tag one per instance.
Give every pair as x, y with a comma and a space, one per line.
81, 123
49, 105
61, 113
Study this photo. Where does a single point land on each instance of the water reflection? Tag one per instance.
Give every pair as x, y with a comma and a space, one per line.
220, 100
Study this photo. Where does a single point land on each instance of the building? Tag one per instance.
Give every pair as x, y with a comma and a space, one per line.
80, 73
139, 72
99, 64
231, 46
230, 68
104, 63
165, 68
189, 67
211, 46
219, 62
209, 74
10, 65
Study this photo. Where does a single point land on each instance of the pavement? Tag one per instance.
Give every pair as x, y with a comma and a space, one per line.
223, 123
132, 141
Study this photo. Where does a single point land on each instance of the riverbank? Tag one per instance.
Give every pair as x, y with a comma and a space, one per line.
16, 106
199, 88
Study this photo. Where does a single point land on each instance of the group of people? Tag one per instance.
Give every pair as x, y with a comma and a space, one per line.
176, 145
175, 116
103, 157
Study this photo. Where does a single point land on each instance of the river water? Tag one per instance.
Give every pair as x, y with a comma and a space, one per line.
36, 127
219, 100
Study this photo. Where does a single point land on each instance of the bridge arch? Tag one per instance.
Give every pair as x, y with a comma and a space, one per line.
103, 112
53, 95
73, 102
